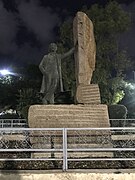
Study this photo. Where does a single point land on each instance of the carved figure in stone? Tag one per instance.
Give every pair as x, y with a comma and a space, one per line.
50, 67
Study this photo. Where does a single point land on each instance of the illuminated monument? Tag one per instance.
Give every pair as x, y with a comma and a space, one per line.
87, 112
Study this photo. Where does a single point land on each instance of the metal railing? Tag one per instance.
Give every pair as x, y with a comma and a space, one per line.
68, 144
122, 122
12, 123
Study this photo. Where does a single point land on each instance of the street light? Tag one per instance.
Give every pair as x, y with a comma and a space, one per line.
5, 72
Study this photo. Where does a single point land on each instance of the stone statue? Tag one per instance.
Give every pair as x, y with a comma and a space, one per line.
85, 59
85, 56
50, 67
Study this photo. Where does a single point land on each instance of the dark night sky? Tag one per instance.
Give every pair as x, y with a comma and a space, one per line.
28, 26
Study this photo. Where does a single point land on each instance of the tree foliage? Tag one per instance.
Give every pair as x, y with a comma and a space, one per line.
68, 65
22, 89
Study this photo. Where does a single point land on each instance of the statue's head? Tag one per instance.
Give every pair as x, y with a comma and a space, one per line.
52, 47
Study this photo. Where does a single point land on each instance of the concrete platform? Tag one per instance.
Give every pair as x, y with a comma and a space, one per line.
96, 174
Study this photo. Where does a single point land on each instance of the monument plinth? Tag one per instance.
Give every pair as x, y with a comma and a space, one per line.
68, 116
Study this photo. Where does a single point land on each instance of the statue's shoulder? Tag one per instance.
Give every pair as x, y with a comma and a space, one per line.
45, 57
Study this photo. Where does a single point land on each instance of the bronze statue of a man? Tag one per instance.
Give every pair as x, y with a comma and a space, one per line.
50, 67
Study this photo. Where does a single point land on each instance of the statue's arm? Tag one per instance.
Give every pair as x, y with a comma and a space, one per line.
41, 66
70, 52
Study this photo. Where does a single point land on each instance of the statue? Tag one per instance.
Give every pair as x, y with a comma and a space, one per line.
50, 67
85, 57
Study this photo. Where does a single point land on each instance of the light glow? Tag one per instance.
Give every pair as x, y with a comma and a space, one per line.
4, 72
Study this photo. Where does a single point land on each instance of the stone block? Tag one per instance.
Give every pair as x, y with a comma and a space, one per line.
86, 53
88, 94
68, 116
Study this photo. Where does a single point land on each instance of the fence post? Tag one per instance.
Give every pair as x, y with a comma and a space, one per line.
65, 163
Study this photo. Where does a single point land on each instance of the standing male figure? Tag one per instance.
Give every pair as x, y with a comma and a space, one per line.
50, 67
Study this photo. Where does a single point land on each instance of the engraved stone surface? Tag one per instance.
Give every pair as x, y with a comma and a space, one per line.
66, 116
88, 94
85, 56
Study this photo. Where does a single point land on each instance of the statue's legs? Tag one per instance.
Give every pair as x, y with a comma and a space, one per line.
49, 95
44, 101
49, 90
48, 101
51, 101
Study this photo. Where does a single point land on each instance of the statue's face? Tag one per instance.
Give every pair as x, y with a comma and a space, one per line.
53, 47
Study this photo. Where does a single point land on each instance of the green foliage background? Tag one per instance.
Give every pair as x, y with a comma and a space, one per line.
112, 63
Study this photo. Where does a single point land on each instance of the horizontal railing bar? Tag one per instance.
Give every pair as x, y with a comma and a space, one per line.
12, 123
60, 159
123, 119
31, 129
50, 150
108, 128
60, 129
61, 150
13, 119
103, 149
26, 119
31, 150
102, 159
32, 159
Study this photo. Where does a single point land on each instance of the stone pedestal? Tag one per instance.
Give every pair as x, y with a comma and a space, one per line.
88, 94
69, 116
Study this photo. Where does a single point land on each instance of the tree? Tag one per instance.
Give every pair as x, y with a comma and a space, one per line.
27, 97
21, 89
28, 91
8, 91
68, 65
111, 63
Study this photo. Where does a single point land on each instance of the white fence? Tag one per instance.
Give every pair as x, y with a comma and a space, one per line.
12, 123
68, 144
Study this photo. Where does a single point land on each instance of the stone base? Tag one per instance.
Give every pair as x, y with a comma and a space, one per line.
69, 116
88, 94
